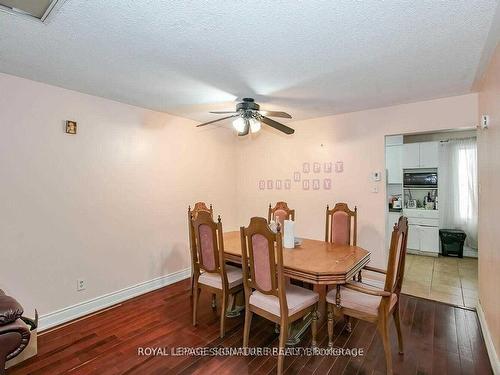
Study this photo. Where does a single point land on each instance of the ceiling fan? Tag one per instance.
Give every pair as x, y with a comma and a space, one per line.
248, 117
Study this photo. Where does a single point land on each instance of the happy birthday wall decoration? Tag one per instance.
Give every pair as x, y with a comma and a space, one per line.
307, 179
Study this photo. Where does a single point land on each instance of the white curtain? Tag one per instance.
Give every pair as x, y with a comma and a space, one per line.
457, 178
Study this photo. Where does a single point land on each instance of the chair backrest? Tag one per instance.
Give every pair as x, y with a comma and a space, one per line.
262, 260
209, 243
193, 214
341, 224
397, 255
198, 207
280, 212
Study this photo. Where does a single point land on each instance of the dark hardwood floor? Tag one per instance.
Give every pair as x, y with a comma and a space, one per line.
439, 339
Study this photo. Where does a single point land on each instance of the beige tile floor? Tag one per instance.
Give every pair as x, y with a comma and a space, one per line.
446, 279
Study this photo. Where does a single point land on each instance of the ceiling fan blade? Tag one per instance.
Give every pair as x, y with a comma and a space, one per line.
219, 119
275, 114
283, 128
222, 112
246, 130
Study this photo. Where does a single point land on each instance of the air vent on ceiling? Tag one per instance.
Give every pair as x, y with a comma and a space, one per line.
39, 9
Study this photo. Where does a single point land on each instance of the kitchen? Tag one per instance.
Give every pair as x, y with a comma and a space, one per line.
431, 178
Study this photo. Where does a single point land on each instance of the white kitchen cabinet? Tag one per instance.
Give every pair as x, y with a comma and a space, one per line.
421, 155
424, 239
411, 155
393, 162
413, 242
429, 239
393, 140
429, 154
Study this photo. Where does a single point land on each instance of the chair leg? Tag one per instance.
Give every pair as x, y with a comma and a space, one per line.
214, 301
397, 322
330, 325
283, 338
314, 326
196, 297
223, 310
383, 329
348, 325
246, 327
192, 285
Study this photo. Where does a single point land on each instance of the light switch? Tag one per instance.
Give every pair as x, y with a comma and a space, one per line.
376, 176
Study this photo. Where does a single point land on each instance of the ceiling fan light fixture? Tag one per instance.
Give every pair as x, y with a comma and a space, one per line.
255, 125
239, 124
249, 118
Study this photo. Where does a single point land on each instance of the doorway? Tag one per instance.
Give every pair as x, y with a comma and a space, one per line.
432, 180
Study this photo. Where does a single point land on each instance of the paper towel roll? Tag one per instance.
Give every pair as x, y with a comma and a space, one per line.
289, 234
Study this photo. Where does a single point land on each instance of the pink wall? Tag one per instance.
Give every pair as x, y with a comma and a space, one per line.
355, 138
109, 204
489, 200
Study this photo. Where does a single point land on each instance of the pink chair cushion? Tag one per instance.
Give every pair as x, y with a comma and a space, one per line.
280, 216
353, 300
262, 267
207, 246
297, 299
341, 228
214, 279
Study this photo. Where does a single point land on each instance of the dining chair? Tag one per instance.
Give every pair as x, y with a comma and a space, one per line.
366, 302
266, 292
210, 270
339, 221
280, 212
192, 214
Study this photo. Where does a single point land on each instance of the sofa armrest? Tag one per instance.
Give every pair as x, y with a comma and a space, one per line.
10, 310
14, 337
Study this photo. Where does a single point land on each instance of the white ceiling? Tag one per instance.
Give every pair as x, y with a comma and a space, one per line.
309, 58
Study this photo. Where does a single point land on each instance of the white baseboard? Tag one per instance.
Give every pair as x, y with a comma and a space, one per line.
490, 347
66, 314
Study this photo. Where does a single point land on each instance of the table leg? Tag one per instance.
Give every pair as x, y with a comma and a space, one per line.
299, 327
321, 290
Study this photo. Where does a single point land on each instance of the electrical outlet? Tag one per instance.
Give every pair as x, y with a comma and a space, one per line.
80, 285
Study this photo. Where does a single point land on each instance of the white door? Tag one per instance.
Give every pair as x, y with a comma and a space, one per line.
429, 239
393, 156
413, 237
411, 155
429, 154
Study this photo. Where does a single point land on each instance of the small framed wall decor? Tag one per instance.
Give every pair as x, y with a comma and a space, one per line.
71, 127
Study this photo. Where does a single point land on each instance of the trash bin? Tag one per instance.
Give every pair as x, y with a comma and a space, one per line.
452, 242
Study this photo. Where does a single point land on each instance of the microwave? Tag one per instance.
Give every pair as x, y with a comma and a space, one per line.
420, 179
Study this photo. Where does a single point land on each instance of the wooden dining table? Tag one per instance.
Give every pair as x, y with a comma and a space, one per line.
319, 263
